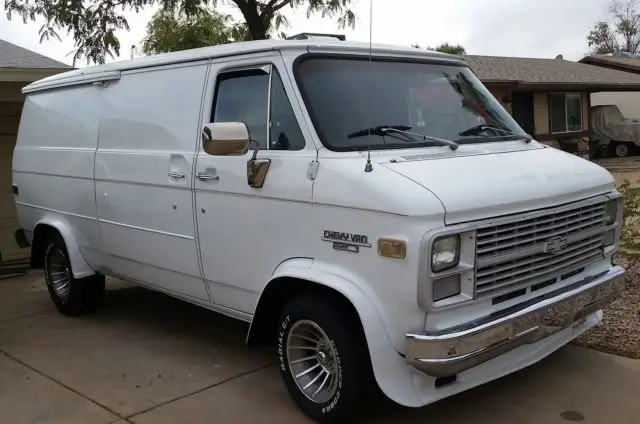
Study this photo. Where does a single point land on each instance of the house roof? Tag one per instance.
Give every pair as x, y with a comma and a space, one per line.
629, 64
12, 56
551, 74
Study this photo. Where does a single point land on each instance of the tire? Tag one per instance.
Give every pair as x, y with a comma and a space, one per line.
71, 296
621, 150
340, 361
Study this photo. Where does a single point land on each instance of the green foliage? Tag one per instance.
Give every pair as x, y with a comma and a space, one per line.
446, 48
619, 33
170, 31
93, 23
449, 48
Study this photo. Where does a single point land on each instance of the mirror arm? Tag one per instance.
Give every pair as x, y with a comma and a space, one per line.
256, 149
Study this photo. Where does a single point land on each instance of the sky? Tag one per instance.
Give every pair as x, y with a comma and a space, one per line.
525, 28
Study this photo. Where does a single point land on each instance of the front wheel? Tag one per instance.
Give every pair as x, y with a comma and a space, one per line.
622, 150
324, 360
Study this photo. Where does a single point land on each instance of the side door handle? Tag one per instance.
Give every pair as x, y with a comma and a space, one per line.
174, 174
207, 177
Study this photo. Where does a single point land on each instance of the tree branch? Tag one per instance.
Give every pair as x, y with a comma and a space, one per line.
276, 7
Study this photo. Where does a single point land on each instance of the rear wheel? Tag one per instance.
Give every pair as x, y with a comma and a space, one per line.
324, 361
605, 150
72, 296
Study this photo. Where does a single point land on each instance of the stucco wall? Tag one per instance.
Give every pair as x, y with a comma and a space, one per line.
541, 113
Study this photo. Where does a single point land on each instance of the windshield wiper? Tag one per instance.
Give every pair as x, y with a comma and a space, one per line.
379, 130
382, 130
483, 127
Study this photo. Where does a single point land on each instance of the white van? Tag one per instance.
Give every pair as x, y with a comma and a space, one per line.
372, 212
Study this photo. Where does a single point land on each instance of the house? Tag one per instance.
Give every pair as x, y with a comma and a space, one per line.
628, 103
18, 67
550, 98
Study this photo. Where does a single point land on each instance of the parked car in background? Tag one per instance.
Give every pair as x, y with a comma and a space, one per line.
381, 239
615, 135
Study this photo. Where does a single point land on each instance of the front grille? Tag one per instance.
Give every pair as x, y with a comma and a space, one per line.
512, 256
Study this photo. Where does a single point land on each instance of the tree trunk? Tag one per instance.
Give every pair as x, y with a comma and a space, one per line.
257, 27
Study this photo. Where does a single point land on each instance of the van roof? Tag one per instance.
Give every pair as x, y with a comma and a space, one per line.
112, 70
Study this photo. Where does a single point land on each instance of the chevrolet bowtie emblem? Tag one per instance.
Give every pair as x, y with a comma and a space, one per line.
555, 245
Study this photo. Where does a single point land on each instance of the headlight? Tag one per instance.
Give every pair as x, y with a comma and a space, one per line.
445, 253
612, 211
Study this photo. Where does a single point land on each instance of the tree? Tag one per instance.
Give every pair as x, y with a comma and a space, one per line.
445, 48
619, 33
170, 31
93, 23
449, 48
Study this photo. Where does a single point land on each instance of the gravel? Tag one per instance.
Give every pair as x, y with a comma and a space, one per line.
619, 332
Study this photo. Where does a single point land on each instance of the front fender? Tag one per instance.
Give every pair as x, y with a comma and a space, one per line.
392, 373
79, 265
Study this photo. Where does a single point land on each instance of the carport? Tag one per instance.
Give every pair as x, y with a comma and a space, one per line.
18, 67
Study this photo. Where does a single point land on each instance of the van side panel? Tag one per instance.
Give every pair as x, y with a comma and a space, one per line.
148, 135
53, 163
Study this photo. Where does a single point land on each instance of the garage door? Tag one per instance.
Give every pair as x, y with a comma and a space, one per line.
8, 220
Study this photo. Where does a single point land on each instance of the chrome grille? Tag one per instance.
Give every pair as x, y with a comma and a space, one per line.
512, 256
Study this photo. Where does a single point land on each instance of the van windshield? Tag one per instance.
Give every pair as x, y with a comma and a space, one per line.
348, 96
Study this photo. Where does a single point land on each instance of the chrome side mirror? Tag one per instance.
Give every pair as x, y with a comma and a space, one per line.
225, 138
257, 171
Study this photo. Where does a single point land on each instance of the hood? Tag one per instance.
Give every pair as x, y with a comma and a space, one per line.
491, 184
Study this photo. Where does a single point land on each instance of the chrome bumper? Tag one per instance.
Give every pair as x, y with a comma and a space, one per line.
460, 348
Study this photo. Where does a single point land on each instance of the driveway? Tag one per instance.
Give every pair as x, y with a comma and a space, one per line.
147, 358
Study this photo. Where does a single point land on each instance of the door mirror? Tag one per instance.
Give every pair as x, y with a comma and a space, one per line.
225, 138
257, 171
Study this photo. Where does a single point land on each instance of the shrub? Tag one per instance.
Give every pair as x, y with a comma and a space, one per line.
630, 237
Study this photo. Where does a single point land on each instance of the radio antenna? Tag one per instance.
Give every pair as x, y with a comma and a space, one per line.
369, 167
370, 27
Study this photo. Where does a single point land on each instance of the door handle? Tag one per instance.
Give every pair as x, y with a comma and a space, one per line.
174, 174
207, 177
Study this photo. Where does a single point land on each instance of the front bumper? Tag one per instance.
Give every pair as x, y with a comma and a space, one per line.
454, 350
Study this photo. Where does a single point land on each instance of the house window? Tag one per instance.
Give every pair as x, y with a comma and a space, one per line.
565, 111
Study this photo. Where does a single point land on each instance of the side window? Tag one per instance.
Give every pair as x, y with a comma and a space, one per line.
244, 97
285, 133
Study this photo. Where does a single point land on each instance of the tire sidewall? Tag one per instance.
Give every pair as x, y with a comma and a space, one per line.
332, 409
55, 244
625, 150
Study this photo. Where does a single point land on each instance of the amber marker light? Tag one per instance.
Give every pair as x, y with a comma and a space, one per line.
392, 248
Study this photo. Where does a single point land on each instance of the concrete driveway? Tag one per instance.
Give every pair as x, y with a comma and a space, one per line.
147, 358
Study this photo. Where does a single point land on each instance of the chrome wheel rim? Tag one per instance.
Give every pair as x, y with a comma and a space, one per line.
313, 361
59, 273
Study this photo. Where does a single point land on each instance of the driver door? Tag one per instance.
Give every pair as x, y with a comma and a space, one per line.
245, 232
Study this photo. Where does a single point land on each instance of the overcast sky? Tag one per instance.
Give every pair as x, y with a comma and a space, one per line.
532, 28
